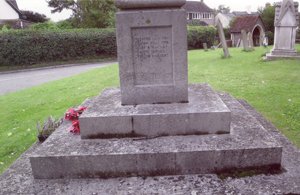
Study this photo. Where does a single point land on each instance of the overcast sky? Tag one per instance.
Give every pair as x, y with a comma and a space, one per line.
41, 6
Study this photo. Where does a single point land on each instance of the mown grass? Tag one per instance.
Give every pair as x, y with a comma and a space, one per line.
273, 88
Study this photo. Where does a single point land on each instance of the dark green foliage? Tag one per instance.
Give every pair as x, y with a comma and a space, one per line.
197, 35
87, 13
270, 36
44, 26
227, 33
34, 16
196, 23
267, 14
59, 5
29, 47
65, 24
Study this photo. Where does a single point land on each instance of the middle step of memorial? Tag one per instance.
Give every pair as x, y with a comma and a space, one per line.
205, 113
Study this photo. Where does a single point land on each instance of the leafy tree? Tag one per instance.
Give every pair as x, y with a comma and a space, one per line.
223, 9
267, 14
34, 16
59, 5
87, 13
5, 28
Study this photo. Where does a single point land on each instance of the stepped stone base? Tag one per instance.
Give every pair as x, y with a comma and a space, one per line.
248, 145
205, 113
285, 54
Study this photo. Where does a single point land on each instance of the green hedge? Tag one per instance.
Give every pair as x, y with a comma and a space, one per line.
27, 47
197, 35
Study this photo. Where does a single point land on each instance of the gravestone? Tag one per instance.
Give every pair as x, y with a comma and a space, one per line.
251, 44
245, 40
286, 22
266, 41
141, 129
222, 38
205, 47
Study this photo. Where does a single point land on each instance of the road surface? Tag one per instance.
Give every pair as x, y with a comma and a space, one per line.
11, 82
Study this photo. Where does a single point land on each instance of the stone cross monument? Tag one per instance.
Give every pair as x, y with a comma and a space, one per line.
286, 22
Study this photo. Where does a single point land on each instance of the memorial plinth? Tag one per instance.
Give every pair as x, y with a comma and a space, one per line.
205, 114
248, 146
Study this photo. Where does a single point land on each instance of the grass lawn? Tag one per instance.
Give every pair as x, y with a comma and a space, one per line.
273, 88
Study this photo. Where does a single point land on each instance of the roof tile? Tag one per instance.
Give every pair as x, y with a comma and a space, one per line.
246, 22
196, 6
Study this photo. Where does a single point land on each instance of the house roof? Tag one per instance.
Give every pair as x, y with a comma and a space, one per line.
196, 6
246, 22
14, 5
240, 13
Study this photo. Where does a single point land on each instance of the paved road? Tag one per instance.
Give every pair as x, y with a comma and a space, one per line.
12, 82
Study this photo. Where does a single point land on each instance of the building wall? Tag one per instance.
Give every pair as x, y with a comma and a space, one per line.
235, 37
7, 12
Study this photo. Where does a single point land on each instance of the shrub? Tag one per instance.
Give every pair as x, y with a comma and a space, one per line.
197, 35
270, 36
49, 126
44, 26
196, 23
27, 47
227, 33
65, 24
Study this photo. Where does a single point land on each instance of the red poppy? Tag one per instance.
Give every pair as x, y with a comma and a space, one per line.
73, 115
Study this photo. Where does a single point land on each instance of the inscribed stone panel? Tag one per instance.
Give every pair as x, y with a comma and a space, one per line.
152, 55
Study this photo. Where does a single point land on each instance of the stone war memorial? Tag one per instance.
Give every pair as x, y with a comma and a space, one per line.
157, 124
286, 23
156, 133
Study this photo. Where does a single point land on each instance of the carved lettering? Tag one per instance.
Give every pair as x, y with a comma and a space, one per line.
152, 55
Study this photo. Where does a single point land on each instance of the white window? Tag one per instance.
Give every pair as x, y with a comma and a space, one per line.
206, 15
196, 15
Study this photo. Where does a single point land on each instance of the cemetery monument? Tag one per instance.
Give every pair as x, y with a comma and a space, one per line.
245, 40
155, 123
222, 38
286, 22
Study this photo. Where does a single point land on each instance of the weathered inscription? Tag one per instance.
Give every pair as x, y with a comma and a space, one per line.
152, 55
